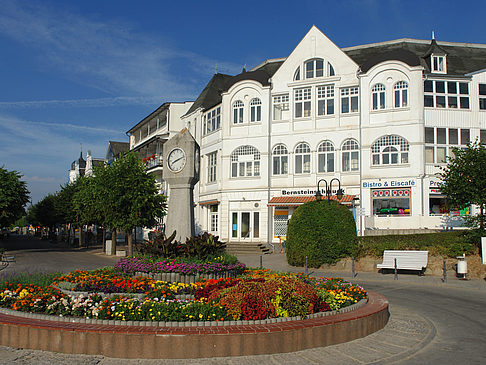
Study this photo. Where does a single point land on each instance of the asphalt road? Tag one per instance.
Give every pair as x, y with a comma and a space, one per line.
430, 323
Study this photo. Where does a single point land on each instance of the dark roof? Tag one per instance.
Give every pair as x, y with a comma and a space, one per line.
118, 147
156, 111
462, 58
80, 161
98, 162
219, 83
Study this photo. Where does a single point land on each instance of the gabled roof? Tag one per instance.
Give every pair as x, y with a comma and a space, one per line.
462, 58
118, 147
219, 83
155, 112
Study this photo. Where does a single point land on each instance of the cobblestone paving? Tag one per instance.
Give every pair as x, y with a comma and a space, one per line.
405, 334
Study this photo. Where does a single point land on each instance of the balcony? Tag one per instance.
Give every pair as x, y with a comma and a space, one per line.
152, 161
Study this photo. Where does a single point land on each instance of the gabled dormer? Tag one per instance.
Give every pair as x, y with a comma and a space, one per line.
436, 57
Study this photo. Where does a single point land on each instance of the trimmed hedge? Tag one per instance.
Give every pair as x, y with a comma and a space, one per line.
450, 244
324, 231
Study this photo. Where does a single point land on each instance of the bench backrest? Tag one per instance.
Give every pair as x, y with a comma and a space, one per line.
405, 259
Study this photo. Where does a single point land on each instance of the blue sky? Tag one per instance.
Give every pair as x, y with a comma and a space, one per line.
84, 72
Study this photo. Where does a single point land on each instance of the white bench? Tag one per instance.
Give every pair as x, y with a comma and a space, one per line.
406, 260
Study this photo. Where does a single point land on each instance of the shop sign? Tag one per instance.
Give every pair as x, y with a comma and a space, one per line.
435, 184
388, 184
307, 192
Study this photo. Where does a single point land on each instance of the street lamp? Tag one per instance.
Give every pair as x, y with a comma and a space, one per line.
328, 191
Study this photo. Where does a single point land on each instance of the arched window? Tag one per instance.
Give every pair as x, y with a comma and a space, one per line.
378, 96
302, 158
390, 150
350, 155
245, 161
401, 94
297, 74
330, 69
238, 107
280, 160
314, 68
325, 157
255, 110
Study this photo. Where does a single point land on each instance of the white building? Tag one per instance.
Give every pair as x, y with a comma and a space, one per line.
380, 117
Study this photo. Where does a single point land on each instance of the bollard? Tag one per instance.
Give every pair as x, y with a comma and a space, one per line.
352, 266
444, 269
261, 262
306, 265
396, 271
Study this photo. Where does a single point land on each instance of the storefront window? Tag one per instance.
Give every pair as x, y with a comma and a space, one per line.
391, 202
439, 205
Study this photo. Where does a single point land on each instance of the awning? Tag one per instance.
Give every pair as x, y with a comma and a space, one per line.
293, 201
209, 202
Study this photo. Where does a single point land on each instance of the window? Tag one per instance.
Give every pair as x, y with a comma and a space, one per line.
325, 100
439, 142
482, 96
302, 158
330, 69
302, 102
350, 155
401, 94
325, 157
212, 166
213, 216
245, 161
446, 94
281, 107
482, 136
378, 96
255, 110
297, 74
395, 202
314, 68
349, 100
238, 107
212, 120
438, 64
280, 160
390, 150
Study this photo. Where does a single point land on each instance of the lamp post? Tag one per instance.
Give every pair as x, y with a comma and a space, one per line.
328, 190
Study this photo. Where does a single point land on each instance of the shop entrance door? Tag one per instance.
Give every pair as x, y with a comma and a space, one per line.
245, 226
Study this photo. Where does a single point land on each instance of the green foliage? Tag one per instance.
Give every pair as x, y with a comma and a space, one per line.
36, 278
323, 231
450, 244
203, 246
161, 246
64, 203
463, 181
13, 197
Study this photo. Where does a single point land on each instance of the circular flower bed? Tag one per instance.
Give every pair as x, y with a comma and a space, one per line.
255, 295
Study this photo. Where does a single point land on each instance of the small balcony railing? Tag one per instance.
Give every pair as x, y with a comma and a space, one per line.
152, 161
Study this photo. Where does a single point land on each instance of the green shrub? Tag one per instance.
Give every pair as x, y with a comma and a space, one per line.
449, 244
324, 231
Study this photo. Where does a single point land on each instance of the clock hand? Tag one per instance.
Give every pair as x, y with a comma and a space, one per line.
180, 158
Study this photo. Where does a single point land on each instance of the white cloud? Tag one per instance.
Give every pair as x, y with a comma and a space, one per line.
97, 102
108, 55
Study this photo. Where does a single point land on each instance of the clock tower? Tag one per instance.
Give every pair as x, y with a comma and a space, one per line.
181, 171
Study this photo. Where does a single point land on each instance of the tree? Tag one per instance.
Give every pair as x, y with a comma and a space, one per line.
13, 197
128, 196
464, 181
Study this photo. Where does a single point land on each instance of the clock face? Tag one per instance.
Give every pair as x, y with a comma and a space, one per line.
176, 160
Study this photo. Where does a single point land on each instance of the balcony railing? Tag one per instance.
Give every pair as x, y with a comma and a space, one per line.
152, 161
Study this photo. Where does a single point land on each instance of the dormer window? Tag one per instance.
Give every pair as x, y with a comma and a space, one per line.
438, 64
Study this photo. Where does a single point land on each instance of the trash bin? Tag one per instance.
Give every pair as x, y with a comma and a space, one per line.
461, 266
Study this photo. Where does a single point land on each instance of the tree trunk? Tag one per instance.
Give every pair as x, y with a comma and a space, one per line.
130, 243
113, 241
80, 238
104, 239
481, 219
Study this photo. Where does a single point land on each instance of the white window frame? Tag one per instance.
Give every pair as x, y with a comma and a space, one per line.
255, 110
438, 64
378, 97
238, 111
437, 153
445, 99
281, 103
482, 96
302, 159
325, 100
400, 94
213, 218
326, 155
303, 102
314, 72
212, 166
212, 120
390, 150
350, 95
245, 162
280, 160
350, 155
